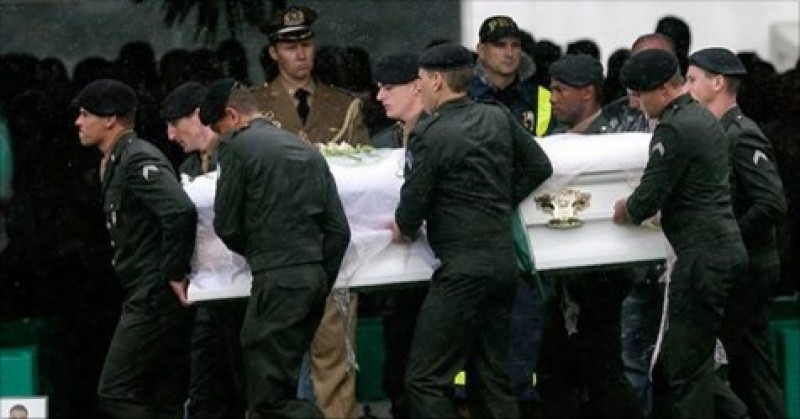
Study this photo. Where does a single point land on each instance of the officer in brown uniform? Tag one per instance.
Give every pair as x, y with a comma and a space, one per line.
294, 100
318, 113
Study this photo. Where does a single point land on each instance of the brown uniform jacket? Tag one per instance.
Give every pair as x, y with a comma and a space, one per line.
334, 115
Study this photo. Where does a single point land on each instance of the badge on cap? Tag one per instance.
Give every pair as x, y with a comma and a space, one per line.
500, 22
293, 17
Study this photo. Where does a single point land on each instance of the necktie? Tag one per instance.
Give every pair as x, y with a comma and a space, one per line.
302, 104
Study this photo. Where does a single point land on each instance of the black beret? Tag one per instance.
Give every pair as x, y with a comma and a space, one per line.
182, 101
577, 70
447, 56
290, 24
213, 105
106, 97
498, 27
397, 68
648, 70
718, 61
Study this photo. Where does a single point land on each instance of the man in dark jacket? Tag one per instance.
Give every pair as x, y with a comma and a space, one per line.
687, 179
713, 79
151, 222
505, 74
469, 165
216, 379
276, 204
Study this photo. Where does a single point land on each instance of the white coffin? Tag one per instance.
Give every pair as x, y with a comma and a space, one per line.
607, 167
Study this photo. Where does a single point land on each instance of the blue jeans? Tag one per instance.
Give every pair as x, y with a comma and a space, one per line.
305, 387
640, 319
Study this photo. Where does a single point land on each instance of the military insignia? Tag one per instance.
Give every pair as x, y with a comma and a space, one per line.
293, 17
409, 160
147, 170
658, 147
759, 155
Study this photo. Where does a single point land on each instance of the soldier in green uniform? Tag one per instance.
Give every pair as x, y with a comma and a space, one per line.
397, 76
686, 178
759, 202
152, 225
216, 379
276, 204
296, 102
581, 371
469, 165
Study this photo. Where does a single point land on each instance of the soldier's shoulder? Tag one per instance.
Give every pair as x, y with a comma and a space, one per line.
139, 147
263, 88
266, 94
389, 137
335, 94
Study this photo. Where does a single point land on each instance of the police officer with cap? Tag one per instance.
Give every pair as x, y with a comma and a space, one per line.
469, 165
152, 226
580, 365
216, 380
277, 205
506, 75
687, 180
713, 79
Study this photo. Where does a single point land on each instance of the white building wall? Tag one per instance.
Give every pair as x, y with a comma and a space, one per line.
738, 25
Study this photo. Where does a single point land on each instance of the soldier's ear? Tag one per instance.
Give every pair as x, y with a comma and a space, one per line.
273, 52
718, 83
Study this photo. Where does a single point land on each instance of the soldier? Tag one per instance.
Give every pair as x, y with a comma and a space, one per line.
581, 368
399, 93
576, 85
294, 100
504, 74
318, 113
713, 79
641, 310
469, 165
624, 114
277, 204
216, 379
151, 222
686, 178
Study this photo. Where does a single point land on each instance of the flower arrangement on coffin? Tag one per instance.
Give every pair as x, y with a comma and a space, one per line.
356, 152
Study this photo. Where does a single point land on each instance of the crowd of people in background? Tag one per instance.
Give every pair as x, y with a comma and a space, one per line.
54, 248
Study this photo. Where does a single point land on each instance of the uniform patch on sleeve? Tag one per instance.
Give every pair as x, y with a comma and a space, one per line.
759, 155
150, 172
659, 147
